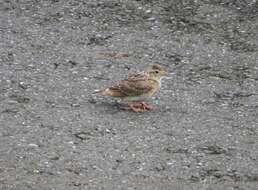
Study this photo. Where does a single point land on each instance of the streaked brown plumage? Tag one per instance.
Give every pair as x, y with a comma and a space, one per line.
137, 87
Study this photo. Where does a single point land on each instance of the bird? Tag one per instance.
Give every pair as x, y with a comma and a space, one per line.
137, 87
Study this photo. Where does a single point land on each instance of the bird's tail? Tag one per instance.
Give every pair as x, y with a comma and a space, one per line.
107, 92
98, 92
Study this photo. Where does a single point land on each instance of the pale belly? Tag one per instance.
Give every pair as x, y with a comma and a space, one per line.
143, 96
137, 98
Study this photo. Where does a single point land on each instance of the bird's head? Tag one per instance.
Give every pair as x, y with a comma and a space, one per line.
156, 72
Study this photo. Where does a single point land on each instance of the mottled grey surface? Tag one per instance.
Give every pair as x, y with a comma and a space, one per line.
55, 135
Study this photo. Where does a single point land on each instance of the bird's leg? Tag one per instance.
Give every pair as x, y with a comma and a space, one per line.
136, 107
146, 106
139, 106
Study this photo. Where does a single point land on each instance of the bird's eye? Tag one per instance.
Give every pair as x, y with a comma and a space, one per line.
156, 72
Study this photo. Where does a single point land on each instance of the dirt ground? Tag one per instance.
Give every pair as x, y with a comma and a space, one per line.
56, 135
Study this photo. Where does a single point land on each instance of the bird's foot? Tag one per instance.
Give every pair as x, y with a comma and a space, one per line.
140, 107
146, 106
136, 107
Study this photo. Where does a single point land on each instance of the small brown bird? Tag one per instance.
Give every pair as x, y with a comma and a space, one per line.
137, 87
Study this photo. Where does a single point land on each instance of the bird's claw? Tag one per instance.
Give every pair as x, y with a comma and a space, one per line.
140, 107
146, 106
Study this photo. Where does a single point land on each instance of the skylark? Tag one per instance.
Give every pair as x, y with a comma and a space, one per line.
136, 87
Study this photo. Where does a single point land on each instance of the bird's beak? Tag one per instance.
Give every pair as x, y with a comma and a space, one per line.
165, 73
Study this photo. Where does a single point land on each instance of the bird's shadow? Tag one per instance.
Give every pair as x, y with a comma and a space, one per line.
112, 107
109, 106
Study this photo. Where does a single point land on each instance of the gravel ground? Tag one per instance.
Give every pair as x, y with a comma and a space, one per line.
56, 135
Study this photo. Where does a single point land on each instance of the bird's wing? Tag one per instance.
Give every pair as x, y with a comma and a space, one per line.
138, 76
135, 87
